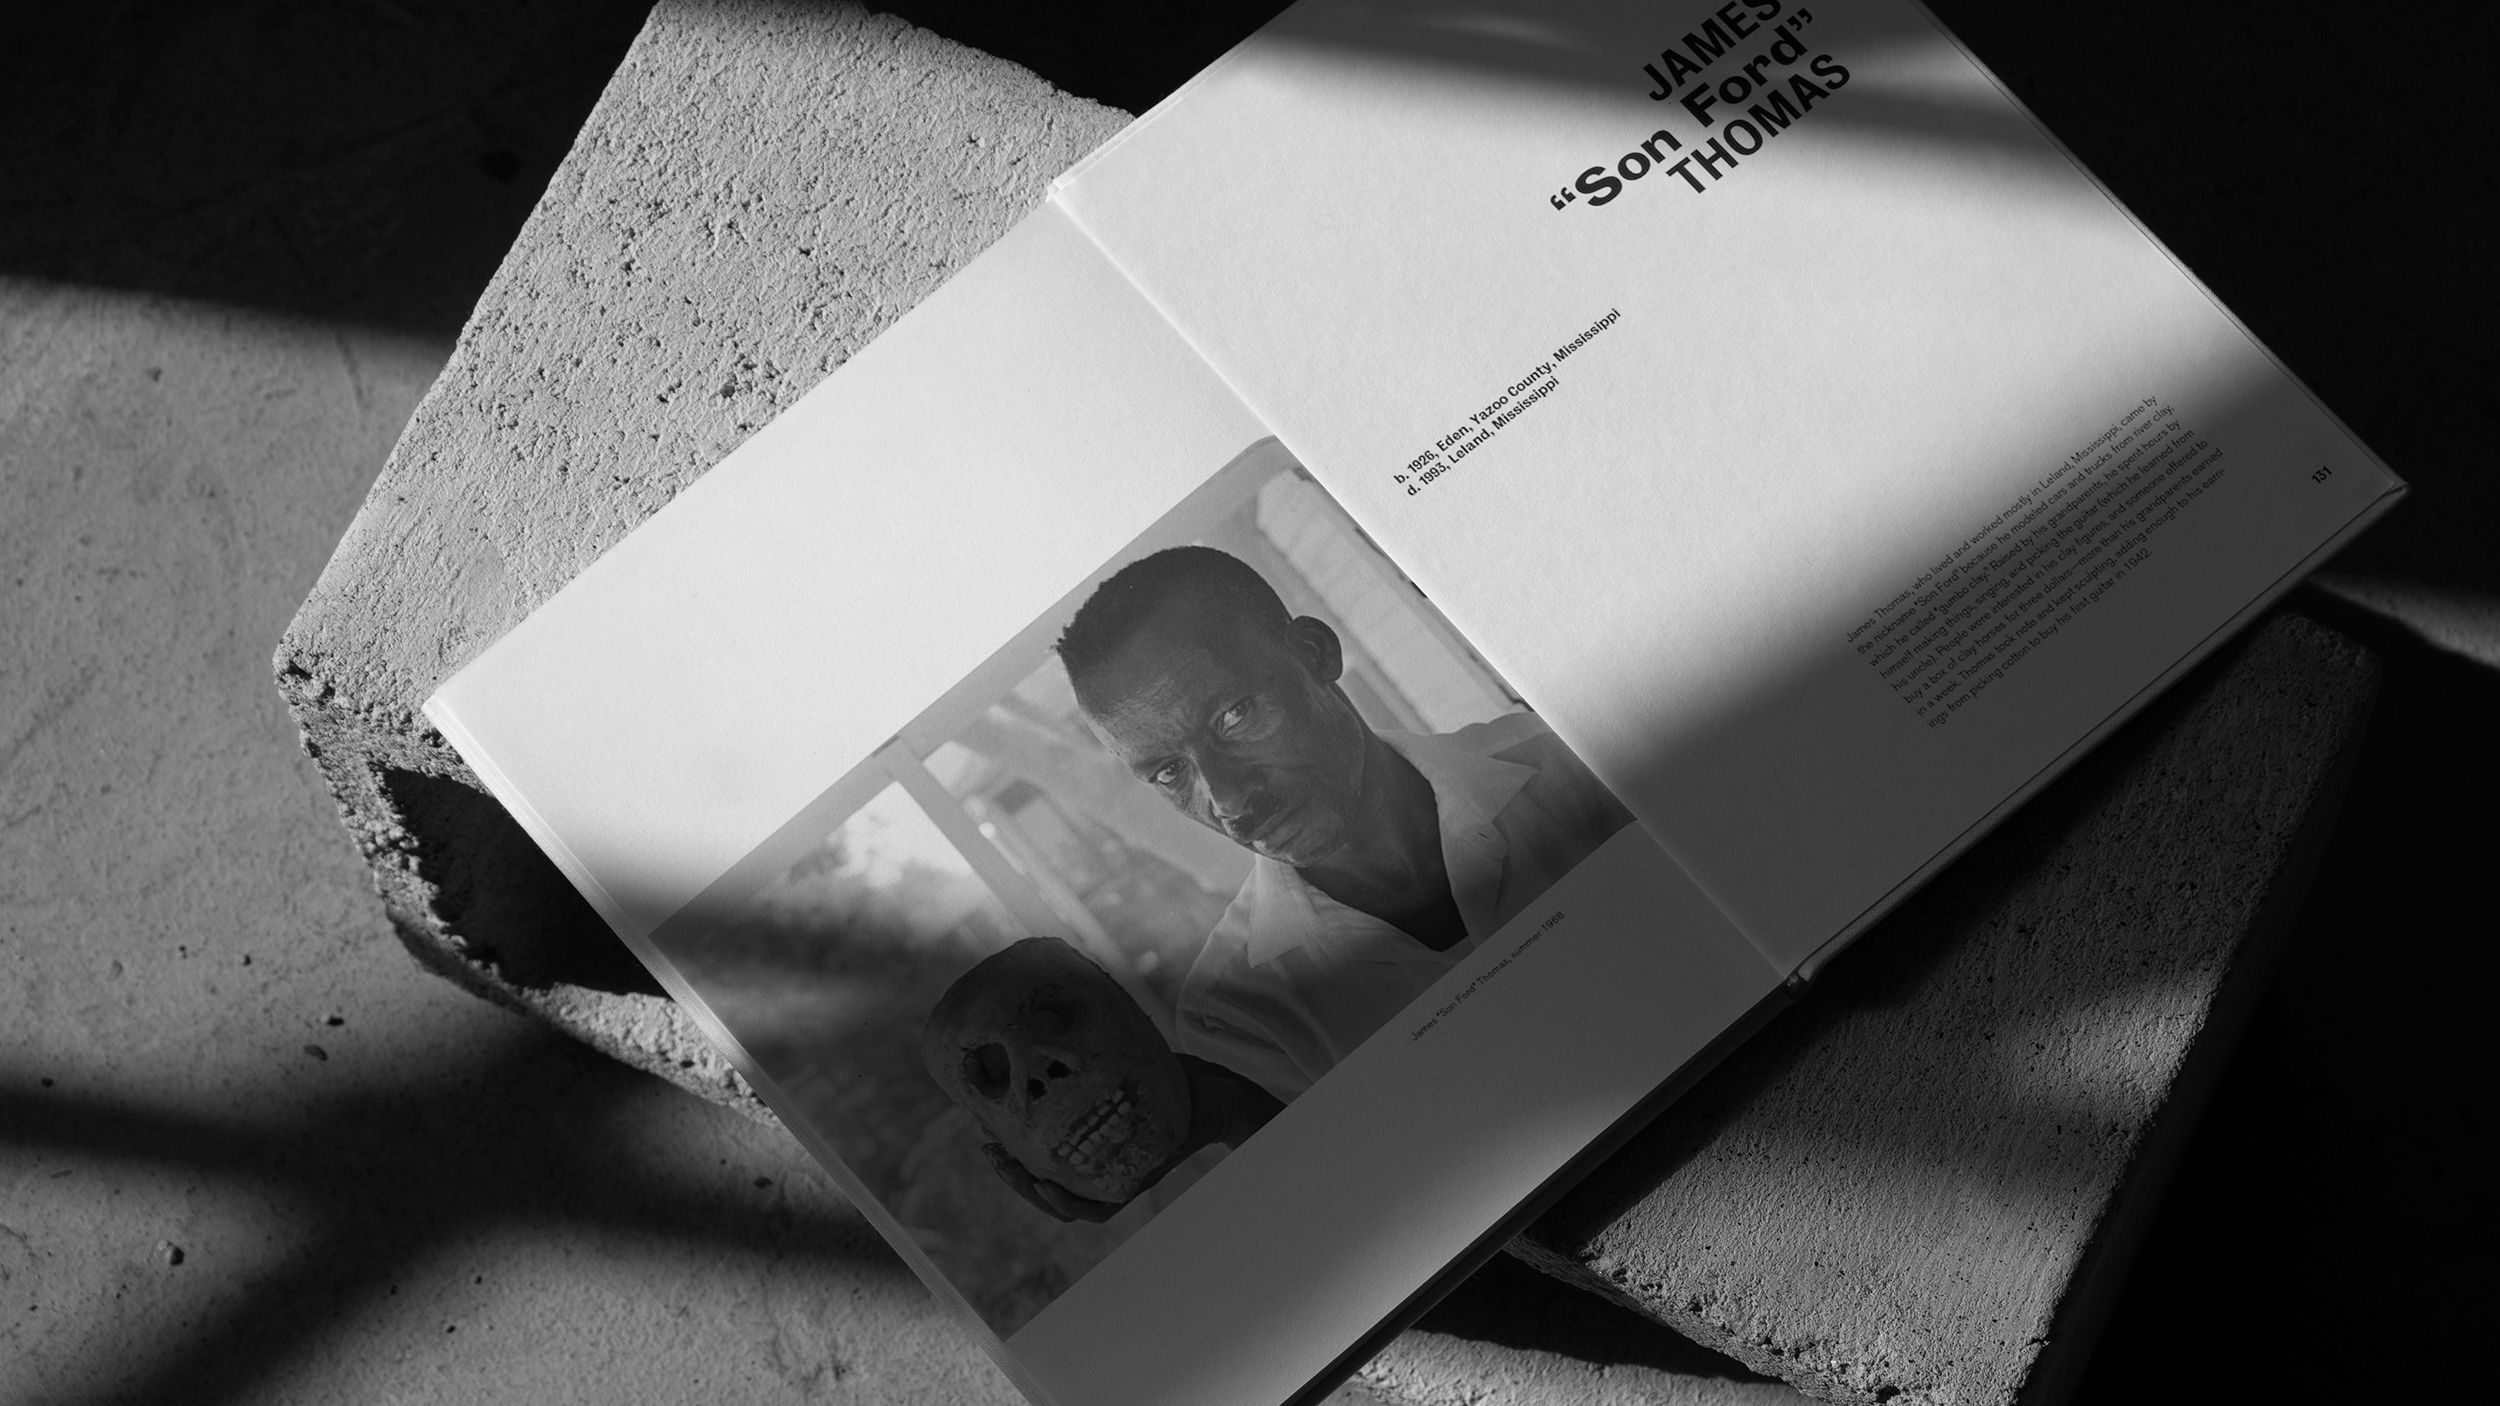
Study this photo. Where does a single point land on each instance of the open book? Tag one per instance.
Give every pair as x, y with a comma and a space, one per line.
1441, 574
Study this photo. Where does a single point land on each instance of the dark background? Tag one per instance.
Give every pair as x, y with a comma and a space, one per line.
2326, 169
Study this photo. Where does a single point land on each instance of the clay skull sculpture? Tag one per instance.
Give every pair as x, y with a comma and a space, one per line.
1061, 1068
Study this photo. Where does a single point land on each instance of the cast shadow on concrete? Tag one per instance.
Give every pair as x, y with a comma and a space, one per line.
1948, 925
2330, 1216
366, 164
495, 891
526, 1133
372, 163
532, 1135
314, 182
1507, 1304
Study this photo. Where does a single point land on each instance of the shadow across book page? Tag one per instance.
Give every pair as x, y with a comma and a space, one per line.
1097, 850
1205, 767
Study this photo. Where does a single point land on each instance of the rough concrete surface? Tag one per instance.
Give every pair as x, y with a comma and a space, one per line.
247, 1151
236, 240
1510, 1336
1429, 1369
760, 191
680, 282
1899, 1190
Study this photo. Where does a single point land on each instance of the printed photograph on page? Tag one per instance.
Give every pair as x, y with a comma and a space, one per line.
1115, 900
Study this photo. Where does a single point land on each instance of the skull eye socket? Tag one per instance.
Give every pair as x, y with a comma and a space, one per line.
985, 1069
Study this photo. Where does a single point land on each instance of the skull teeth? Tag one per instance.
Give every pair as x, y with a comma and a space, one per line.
1103, 1128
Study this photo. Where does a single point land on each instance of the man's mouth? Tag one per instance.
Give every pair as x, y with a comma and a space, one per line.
1100, 1132
1276, 831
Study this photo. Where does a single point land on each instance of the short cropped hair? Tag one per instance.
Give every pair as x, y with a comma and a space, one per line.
1121, 605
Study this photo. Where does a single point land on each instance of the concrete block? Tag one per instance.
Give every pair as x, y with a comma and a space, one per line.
761, 190
1914, 1185
1439, 1369
1512, 1337
1923, 1183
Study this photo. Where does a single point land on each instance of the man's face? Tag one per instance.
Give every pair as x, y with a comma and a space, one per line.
1241, 730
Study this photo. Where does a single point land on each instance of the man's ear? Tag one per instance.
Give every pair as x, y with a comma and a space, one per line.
1319, 647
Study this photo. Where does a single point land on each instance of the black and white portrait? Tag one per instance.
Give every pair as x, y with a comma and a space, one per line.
1116, 900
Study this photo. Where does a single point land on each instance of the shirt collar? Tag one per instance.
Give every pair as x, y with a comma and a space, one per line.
1469, 789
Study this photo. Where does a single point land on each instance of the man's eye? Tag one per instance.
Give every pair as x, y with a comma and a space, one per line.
1233, 716
1167, 775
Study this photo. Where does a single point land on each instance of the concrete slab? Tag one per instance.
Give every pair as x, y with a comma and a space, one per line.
1431, 1369
1510, 1336
2461, 618
174, 473
444, 1204
761, 190
1924, 1182
247, 1152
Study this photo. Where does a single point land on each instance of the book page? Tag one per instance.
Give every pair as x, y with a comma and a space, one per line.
791, 610
1147, 905
1754, 383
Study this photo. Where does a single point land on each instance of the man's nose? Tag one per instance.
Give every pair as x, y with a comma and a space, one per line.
1233, 791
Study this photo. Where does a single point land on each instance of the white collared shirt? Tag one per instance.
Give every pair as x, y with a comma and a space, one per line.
1291, 980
